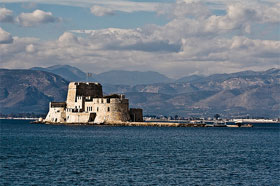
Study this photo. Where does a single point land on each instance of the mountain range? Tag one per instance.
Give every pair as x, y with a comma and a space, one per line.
114, 77
26, 91
231, 95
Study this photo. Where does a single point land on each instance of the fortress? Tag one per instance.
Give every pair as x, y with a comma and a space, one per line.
85, 103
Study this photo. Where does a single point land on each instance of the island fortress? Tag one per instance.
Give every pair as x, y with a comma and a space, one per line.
86, 104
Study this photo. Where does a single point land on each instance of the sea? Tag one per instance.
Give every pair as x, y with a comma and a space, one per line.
39, 154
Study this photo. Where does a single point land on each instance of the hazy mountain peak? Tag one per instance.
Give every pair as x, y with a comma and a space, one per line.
123, 77
66, 71
236, 94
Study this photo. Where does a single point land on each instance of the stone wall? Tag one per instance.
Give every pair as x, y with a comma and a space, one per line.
85, 103
58, 104
77, 117
82, 89
136, 114
108, 109
56, 114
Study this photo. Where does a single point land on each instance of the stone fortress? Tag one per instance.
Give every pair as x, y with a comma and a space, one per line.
86, 104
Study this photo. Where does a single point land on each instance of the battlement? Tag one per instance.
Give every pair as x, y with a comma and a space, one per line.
86, 103
82, 89
57, 104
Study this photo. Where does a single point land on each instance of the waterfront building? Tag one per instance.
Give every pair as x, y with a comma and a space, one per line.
86, 103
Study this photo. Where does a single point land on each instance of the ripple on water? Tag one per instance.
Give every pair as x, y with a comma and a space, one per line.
84, 155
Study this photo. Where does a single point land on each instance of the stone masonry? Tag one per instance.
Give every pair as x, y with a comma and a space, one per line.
85, 103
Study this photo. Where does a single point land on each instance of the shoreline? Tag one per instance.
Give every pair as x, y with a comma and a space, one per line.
20, 118
151, 124
145, 124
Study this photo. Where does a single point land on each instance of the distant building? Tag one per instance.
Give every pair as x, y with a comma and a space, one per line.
86, 104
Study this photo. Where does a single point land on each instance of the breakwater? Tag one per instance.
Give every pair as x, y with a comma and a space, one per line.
150, 124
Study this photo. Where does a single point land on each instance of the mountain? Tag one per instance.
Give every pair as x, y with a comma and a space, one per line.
66, 71
122, 77
114, 77
26, 91
189, 78
236, 94
230, 95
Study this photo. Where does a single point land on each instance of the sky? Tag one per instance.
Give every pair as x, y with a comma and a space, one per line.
173, 37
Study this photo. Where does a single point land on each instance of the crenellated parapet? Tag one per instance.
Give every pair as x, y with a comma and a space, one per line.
81, 89
85, 103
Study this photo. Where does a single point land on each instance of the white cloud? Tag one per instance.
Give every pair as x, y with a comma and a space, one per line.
67, 38
6, 15
194, 40
101, 11
92, 53
272, 13
5, 37
30, 48
35, 18
183, 9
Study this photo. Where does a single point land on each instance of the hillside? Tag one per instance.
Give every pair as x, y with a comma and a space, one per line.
231, 95
26, 91
237, 94
114, 77
122, 77
68, 72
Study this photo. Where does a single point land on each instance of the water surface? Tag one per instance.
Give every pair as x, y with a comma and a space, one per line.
36, 154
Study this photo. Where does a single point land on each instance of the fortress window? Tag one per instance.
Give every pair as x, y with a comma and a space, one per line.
97, 109
108, 109
101, 100
108, 100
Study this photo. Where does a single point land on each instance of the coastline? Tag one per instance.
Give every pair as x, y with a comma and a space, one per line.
151, 124
145, 124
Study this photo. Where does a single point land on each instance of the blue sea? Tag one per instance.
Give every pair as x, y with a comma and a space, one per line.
38, 154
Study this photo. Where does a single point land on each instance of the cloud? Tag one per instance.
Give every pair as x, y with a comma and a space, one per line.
101, 11
35, 18
27, 19
67, 38
152, 46
6, 15
92, 53
195, 39
30, 48
196, 19
5, 37
182, 9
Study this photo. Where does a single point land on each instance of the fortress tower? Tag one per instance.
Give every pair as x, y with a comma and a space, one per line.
77, 89
85, 103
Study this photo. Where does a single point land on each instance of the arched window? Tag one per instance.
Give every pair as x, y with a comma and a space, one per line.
108, 109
